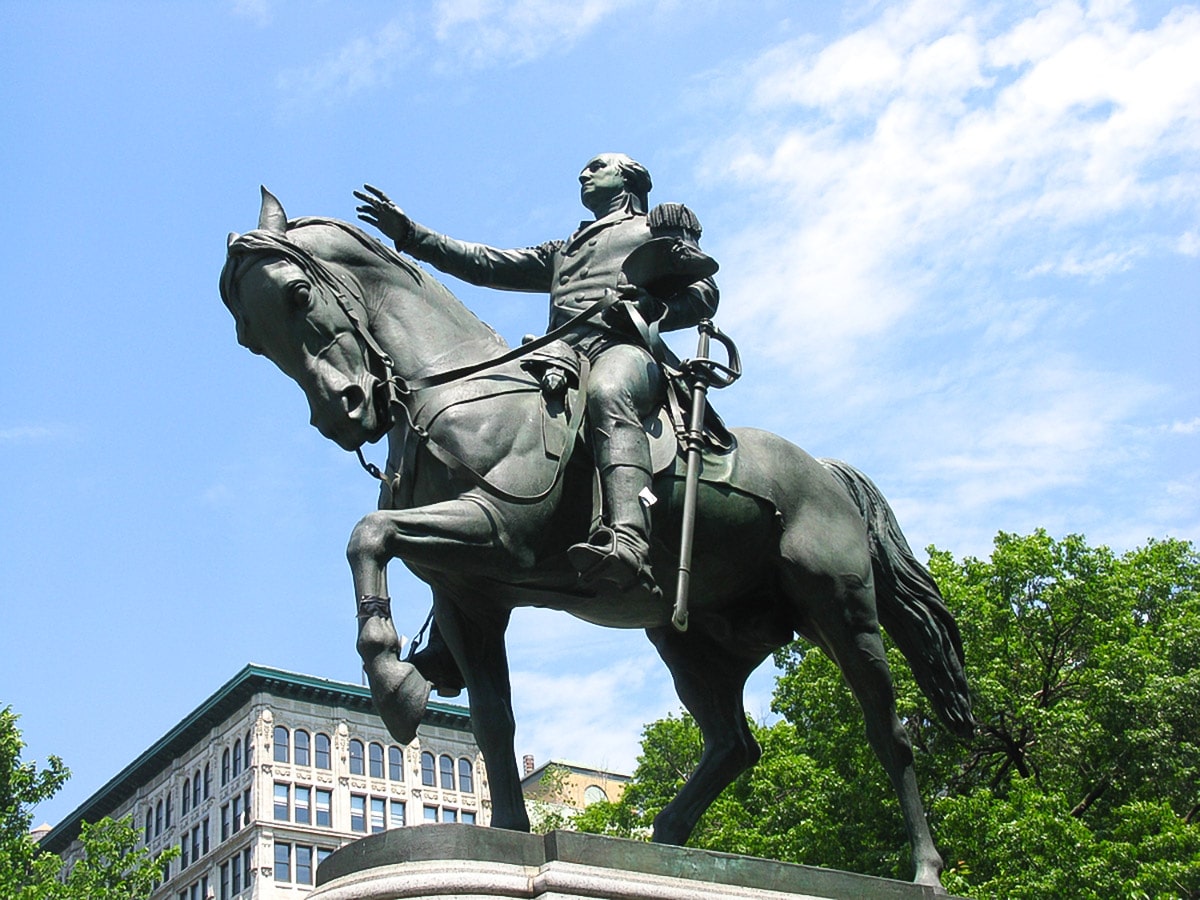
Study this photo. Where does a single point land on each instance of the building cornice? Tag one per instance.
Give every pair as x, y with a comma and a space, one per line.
226, 700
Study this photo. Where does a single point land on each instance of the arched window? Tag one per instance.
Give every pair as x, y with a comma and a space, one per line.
323, 759
196, 788
376, 751
248, 759
395, 764
281, 744
225, 767
207, 780
158, 818
149, 824
300, 747
237, 757
185, 802
356, 757
466, 778
427, 778
168, 823
447, 771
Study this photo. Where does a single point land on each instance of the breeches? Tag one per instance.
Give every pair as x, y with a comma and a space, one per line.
626, 386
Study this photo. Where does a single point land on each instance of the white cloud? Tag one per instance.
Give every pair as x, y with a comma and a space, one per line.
487, 32
357, 65
260, 12
922, 144
31, 434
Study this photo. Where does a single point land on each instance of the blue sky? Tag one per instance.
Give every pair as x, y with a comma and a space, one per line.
960, 248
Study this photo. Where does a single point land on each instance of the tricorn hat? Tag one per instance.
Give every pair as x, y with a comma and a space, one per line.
663, 266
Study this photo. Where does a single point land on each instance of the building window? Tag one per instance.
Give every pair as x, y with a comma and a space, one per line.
378, 815
449, 815
322, 752
431, 813
237, 757
466, 779
196, 842
427, 777
237, 814
283, 862
149, 824
397, 820
166, 871
225, 822
376, 751
303, 805
395, 764
281, 744
204, 834
196, 789
446, 765
224, 882
183, 853
246, 807
236, 881
225, 767
207, 781
168, 823
300, 742
358, 813
356, 757
324, 808
304, 865
282, 802
158, 818
468, 817
185, 801
248, 758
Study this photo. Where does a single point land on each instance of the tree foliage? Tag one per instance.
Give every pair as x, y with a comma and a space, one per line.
112, 867
1083, 779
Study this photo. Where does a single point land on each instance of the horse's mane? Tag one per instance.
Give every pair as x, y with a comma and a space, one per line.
246, 249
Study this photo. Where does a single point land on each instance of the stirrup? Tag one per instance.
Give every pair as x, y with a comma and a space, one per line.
605, 559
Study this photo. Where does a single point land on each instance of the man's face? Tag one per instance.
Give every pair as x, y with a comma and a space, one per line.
601, 181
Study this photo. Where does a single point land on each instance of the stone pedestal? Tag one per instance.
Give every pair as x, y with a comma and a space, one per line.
464, 862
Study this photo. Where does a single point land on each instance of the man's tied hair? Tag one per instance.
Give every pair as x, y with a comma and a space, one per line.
637, 178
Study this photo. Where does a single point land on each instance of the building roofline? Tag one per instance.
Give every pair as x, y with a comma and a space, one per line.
534, 776
252, 679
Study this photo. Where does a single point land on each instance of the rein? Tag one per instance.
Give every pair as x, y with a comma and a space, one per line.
400, 391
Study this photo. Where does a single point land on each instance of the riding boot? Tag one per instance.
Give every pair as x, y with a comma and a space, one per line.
618, 553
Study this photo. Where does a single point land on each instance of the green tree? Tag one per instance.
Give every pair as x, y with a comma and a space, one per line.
1083, 779
112, 866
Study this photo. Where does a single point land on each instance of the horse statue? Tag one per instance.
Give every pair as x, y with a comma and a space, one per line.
483, 497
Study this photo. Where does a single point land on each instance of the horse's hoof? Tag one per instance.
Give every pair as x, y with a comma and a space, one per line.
401, 696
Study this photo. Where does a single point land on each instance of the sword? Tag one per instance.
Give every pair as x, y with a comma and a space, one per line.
703, 373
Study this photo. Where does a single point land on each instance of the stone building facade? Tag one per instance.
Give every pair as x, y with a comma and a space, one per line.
274, 772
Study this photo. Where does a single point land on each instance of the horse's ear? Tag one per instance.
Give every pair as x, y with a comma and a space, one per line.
233, 236
271, 217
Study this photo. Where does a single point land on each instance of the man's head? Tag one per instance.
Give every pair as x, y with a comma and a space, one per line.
609, 175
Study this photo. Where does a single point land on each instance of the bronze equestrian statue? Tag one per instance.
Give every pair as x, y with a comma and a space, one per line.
488, 493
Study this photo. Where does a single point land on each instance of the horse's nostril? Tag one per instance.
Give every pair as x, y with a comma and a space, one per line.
353, 400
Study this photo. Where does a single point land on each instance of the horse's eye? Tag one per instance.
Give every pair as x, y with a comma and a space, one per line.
300, 294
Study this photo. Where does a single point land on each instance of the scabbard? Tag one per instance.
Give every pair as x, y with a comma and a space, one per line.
691, 488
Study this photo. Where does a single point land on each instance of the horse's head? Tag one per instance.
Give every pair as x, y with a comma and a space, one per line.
307, 315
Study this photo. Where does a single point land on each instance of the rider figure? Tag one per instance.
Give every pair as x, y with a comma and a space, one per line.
626, 384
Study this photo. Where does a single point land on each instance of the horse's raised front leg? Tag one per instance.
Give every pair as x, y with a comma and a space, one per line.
475, 636
710, 681
441, 536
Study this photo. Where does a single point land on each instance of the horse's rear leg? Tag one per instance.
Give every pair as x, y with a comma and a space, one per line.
844, 623
441, 536
710, 681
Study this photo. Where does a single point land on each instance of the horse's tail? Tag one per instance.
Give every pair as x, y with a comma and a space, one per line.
910, 606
